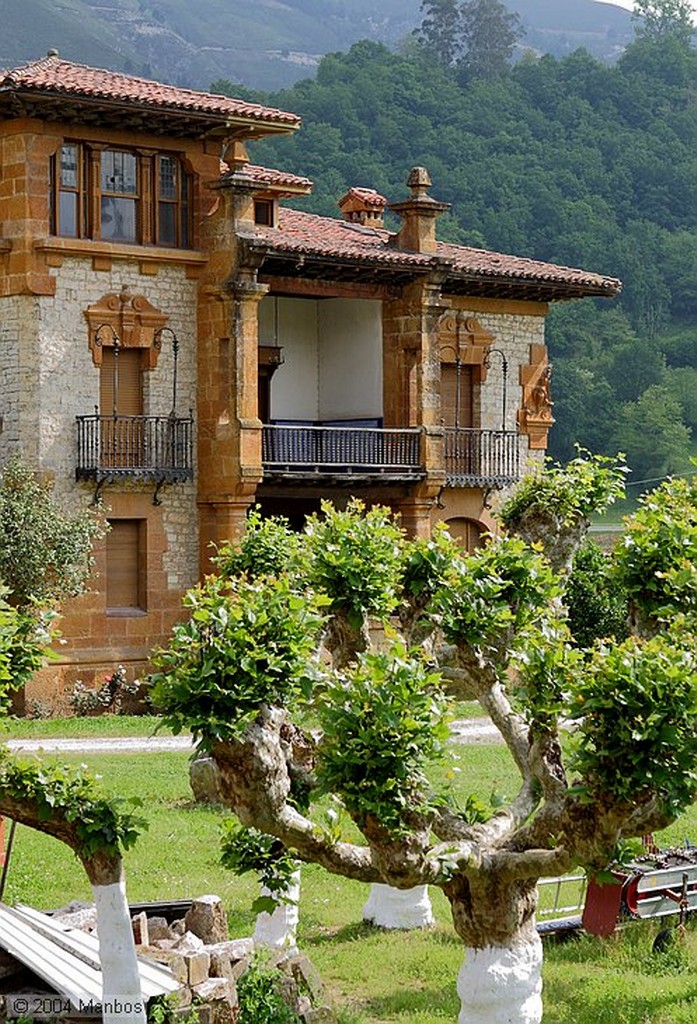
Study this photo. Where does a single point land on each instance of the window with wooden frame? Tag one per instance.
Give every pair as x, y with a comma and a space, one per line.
120, 195
126, 553
264, 212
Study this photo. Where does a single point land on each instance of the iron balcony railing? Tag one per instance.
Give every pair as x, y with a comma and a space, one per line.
329, 450
481, 458
142, 447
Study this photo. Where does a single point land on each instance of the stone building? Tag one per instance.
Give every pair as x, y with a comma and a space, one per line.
179, 342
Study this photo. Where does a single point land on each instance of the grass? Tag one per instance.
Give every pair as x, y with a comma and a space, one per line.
373, 977
76, 728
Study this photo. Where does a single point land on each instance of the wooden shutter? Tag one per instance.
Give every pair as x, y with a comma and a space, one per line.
124, 558
468, 532
129, 390
122, 439
448, 395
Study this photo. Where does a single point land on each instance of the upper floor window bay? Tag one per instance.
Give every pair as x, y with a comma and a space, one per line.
119, 195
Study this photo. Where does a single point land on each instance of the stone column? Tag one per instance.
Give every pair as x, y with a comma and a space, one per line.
229, 429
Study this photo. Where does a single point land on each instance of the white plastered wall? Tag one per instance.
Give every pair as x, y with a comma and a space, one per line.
350, 359
332, 351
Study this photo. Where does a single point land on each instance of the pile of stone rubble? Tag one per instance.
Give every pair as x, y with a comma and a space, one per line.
208, 964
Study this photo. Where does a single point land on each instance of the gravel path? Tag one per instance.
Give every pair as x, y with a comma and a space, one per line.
466, 730
106, 745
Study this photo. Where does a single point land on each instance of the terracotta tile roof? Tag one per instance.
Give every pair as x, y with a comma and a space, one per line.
364, 195
54, 75
310, 234
313, 235
481, 262
269, 177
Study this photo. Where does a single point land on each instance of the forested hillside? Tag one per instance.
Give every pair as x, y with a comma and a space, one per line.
267, 44
567, 160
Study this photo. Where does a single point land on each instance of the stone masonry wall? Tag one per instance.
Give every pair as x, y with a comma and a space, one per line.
69, 386
19, 357
57, 343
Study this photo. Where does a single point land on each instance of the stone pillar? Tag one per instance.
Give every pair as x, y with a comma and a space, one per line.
411, 344
229, 430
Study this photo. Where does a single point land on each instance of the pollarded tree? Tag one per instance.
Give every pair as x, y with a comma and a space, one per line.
243, 671
66, 804
44, 556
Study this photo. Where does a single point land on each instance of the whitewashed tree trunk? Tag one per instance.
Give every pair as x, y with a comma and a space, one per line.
387, 907
279, 930
502, 984
121, 995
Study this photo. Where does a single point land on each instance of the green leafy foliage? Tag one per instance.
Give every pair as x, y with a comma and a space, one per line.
427, 564
353, 555
656, 559
268, 547
493, 594
166, 1010
586, 484
595, 599
382, 724
247, 849
260, 998
637, 709
24, 640
101, 824
247, 644
45, 554
547, 665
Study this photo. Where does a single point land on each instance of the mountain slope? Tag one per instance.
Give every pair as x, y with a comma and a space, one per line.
267, 44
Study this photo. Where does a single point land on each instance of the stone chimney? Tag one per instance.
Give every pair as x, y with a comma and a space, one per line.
418, 213
363, 206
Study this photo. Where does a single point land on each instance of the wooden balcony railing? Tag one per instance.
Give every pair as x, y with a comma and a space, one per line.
317, 450
156, 448
481, 458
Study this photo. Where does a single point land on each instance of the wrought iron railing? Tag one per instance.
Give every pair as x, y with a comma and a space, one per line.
144, 447
481, 458
316, 449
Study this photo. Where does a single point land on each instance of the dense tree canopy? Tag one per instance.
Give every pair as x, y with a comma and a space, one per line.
659, 18
568, 160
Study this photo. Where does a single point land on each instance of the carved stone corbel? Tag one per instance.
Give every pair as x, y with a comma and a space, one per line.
535, 413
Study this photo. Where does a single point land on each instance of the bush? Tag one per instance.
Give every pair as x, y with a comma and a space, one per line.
260, 998
595, 599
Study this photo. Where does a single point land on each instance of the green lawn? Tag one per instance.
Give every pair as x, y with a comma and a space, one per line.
75, 728
374, 977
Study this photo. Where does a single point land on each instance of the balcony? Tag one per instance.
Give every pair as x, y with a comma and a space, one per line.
371, 454
481, 458
152, 448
